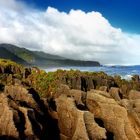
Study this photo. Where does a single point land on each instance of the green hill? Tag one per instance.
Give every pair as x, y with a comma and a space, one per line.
6, 54
38, 58
48, 56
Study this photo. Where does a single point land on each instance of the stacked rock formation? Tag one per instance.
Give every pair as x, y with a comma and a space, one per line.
83, 107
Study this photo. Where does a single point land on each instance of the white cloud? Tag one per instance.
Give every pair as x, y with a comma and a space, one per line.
76, 34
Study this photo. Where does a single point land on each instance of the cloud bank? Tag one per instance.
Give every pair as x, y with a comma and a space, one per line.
76, 35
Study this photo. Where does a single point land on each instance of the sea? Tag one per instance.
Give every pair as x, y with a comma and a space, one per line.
126, 72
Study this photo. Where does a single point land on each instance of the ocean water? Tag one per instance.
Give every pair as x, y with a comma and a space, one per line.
126, 72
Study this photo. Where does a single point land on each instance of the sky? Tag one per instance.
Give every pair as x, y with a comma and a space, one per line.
124, 14
107, 31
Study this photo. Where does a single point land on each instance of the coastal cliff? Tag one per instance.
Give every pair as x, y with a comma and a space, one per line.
67, 105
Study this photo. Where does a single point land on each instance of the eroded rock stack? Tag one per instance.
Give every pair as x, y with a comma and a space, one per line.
81, 106
98, 115
23, 115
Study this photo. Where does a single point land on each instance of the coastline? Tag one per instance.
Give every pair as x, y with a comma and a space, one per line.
126, 72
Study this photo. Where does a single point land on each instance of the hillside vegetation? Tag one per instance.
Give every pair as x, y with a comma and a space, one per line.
38, 58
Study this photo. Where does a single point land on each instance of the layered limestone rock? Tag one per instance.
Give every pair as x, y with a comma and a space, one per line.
115, 93
115, 118
21, 95
133, 95
24, 116
74, 105
7, 125
75, 124
94, 115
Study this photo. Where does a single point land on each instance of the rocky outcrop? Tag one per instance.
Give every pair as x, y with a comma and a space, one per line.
7, 125
25, 116
10, 67
100, 81
133, 95
21, 96
96, 114
103, 115
115, 118
75, 124
115, 93
74, 106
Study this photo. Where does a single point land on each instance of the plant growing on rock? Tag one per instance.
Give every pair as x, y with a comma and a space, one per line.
44, 83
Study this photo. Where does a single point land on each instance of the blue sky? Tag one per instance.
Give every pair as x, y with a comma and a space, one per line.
124, 14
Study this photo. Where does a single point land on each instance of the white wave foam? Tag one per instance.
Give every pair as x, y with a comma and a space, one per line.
127, 76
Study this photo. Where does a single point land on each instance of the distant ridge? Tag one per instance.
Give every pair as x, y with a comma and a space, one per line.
6, 54
38, 58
